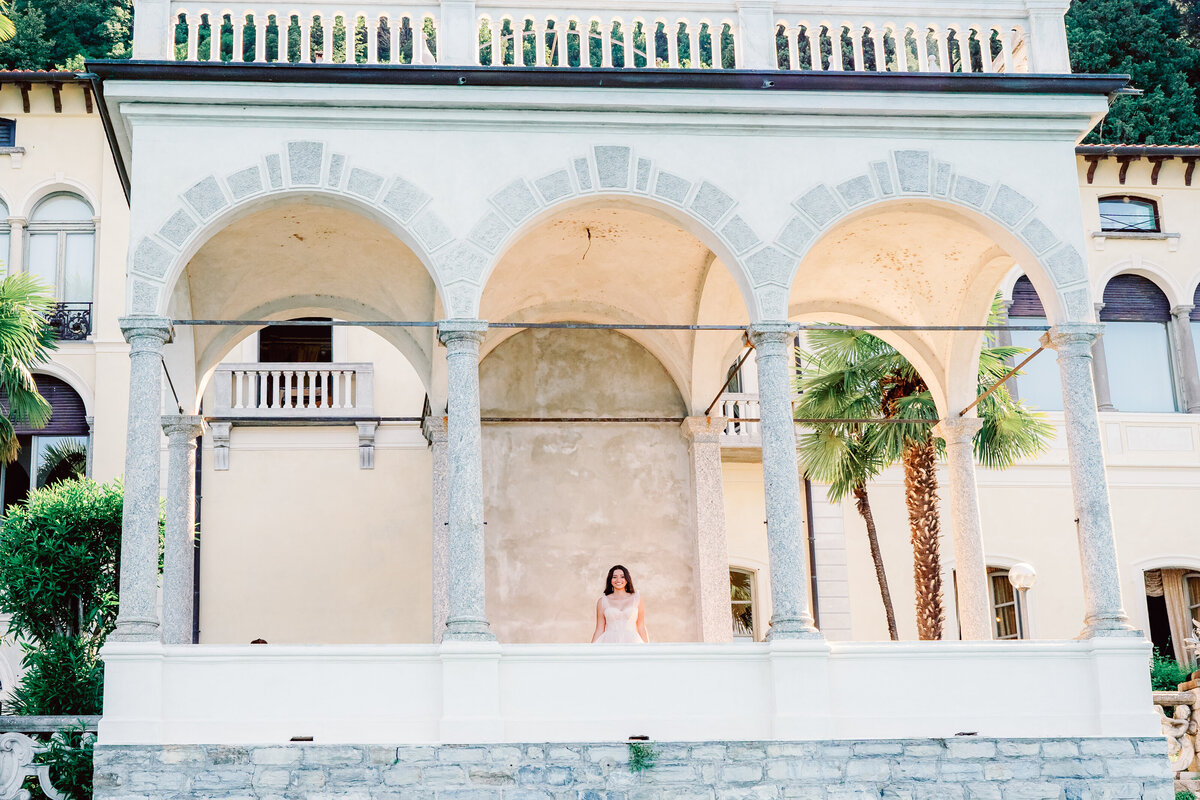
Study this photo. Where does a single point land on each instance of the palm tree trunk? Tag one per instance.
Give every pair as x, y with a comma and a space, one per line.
920, 494
863, 504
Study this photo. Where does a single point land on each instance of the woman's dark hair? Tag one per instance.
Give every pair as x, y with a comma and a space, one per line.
608, 587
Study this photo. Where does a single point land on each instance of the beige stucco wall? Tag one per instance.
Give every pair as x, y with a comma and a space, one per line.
563, 503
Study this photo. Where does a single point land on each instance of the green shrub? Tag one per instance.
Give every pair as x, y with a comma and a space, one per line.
1184, 794
1166, 673
62, 676
642, 756
69, 754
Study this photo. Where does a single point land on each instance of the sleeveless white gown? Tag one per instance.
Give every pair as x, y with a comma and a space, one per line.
620, 625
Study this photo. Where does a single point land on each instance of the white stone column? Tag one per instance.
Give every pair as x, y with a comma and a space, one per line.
970, 566
16, 244
467, 614
137, 618
791, 616
1185, 355
703, 435
1100, 372
179, 551
1104, 614
435, 432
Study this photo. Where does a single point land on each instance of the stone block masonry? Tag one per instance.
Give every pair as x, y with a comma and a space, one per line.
910, 769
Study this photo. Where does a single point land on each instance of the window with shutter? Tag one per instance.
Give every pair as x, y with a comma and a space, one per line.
1136, 345
1038, 384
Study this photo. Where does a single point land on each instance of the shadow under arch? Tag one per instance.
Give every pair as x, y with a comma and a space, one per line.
403, 339
154, 257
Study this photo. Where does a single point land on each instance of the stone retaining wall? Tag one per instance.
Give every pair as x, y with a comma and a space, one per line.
922, 769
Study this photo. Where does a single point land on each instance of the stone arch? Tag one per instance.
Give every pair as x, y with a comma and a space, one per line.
306, 170
606, 172
1176, 294
1052, 262
71, 378
46, 188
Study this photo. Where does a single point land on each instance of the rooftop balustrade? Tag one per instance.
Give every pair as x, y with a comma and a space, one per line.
1009, 36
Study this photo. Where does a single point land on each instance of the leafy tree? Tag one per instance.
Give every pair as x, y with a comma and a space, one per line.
69, 30
1148, 40
28, 48
869, 379
7, 29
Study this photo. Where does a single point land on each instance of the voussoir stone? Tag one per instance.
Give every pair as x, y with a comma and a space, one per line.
554, 186
969, 191
178, 227
1065, 265
337, 163
770, 265
304, 162
206, 197
612, 166
912, 169
516, 201
820, 205
711, 203
1009, 206
490, 231
739, 234
245, 182
671, 187
403, 199
151, 259
583, 174
856, 191
364, 183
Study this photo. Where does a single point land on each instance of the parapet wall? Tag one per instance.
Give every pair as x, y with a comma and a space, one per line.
965, 768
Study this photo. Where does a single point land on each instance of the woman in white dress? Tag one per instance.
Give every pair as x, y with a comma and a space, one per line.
620, 614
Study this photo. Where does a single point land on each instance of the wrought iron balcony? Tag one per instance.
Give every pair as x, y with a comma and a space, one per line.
71, 322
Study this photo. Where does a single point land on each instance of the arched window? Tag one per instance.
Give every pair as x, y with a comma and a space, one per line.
1195, 324
1124, 214
5, 237
1136, 345
62, 246
1038, 385
742, 602
52, 452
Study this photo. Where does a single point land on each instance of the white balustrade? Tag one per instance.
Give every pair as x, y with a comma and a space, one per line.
624, 38
294, 391
888, 36
304, 33
742, 412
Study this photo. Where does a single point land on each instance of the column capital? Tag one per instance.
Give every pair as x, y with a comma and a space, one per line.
454, 333
1182, 310
1072, 339
185, 427
770, 332
958, 430
703, 430
143, 330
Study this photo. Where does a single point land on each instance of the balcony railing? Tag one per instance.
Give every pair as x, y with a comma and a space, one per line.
890, 36
294, 391
737, 408
71, 322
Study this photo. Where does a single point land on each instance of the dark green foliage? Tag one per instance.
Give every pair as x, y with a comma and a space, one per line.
62, 676
58, 562
1184, 794
642, 756
1146, 39
1166, 673
69, 753
56, 33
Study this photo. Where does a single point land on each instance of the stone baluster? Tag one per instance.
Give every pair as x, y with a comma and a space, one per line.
877, 42
1103, 611
703, 435
943, 49
467, 614
137, 618
1185, 357
970, 566
179, 550
672, 32
791, 616
857, 33
238, 49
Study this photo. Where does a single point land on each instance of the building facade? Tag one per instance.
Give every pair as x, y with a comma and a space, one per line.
522, 278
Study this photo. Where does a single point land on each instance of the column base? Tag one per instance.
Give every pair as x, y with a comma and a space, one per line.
1109, 628
136, 630
468, 630
792, 629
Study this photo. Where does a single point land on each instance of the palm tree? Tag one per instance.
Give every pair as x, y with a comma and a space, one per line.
25, 341
875, 381
7, 29
846, 456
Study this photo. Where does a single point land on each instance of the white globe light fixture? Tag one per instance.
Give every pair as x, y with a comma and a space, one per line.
1022, 576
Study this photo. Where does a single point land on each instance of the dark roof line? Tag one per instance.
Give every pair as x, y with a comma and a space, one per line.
1116, 150
766, 80
40, 76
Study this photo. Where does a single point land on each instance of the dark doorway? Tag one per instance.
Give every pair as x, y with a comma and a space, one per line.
1160, 625
296, 344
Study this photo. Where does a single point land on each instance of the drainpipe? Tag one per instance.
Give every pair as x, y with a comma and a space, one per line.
196, 549
812, 551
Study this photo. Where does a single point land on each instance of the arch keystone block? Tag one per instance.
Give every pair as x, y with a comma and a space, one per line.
555, 185
819, 204
912, 170
206, 197
151, 259
245, 182
177, 228
304, 162
711, 203
516, 201
364, 183
612, 166
1010, 206
403, 200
